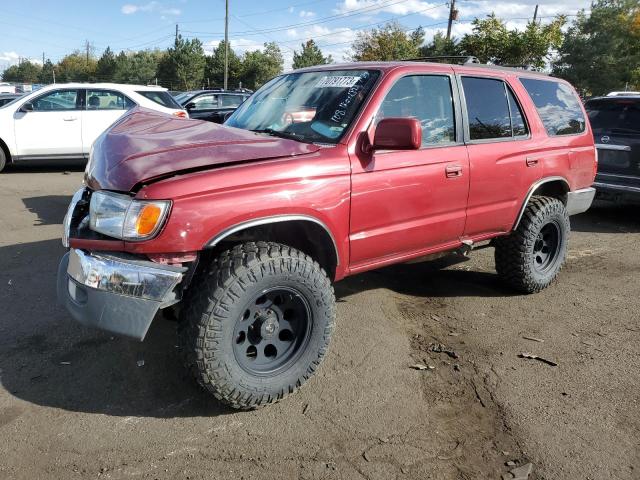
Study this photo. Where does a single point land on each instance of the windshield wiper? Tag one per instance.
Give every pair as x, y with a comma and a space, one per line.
277, 133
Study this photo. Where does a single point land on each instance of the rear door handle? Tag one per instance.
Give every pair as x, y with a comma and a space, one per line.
532, 162
453, 171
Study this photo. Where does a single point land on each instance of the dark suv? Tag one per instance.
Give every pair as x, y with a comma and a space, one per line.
212, 105
615, 121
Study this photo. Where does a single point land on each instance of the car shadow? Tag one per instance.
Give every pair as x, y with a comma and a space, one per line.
45, 166
427, 279
608, 217
48, 359
50, 209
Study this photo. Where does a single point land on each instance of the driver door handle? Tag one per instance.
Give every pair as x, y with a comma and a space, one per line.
70, 119
453, 171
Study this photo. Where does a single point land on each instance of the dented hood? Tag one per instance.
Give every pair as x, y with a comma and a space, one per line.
145, 145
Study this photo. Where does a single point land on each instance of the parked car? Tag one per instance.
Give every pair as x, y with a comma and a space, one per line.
323, 173
212, 105
61, 121
622, 94
615, 121
8, 97
7, 88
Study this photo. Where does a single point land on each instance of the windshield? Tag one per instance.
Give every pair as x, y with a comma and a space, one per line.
309, 106
616, 116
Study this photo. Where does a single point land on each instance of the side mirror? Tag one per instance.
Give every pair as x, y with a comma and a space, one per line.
397, 134
190, 106
27, 107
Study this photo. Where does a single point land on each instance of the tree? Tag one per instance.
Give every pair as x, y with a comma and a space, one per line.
76, 68
214, 68
183, 65
24, 72
492, 42
46, 73
139, 67
440, 46
260, 66
390, 42
309, 56
106, 66
601, 51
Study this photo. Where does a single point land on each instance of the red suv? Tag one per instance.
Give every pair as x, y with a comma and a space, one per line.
324, 172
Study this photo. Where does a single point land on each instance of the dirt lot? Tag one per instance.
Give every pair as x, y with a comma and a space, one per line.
75, 404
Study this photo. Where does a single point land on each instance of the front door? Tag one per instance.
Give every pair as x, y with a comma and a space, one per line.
52, 128
407, 202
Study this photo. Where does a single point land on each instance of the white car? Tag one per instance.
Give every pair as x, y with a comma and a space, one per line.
61, 121
7, 88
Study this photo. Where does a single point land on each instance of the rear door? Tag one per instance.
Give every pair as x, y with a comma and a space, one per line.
616, 130
407, 202
53, 128
103, 107
499, 144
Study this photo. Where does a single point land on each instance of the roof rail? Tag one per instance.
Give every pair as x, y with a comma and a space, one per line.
462, 59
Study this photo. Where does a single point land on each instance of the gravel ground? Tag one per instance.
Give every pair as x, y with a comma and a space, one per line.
75, 404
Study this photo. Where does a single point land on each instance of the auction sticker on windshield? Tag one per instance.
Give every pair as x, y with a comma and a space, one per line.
339, 82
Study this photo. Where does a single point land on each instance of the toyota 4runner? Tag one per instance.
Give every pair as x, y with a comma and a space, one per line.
324, 172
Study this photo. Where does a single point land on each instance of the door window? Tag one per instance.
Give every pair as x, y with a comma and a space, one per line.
58, 100
108, 100
557, 104
427, 98
487, 108
231, 101
205, 102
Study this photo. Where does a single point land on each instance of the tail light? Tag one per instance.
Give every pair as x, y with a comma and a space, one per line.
180, 114
595, 163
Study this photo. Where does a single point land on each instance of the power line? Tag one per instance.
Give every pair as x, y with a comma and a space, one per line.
330, 18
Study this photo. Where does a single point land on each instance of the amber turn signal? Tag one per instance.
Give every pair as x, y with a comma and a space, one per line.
148, 218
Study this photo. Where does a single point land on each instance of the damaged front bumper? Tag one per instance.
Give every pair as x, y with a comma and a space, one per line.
118, 293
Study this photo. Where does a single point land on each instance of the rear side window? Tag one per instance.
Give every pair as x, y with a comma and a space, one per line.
557, 105
427, 98
615, 116
487, 108
108, 100
161, 98
231, 100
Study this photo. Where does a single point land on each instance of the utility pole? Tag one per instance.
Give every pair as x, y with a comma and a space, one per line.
535, 14
176, 33
452, 13
226, 44
43, 59
87, 45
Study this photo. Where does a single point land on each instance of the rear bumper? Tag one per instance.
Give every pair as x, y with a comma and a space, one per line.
117, 294
579, 201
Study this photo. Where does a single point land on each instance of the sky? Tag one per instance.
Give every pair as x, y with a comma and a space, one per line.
30, 28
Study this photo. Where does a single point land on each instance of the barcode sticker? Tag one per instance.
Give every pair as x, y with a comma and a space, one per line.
338, 82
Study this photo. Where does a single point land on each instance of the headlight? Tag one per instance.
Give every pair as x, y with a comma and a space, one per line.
121, 216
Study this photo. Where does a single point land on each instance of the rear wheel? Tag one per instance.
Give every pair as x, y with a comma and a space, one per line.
257, 324
531, 257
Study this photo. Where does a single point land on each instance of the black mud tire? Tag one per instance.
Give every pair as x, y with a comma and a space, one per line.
216, 304
518, 255
3, 159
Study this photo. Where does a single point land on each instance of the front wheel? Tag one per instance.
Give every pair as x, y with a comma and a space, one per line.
531, 257
257, 324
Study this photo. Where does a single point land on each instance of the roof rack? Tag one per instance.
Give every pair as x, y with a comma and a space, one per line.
462, 59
